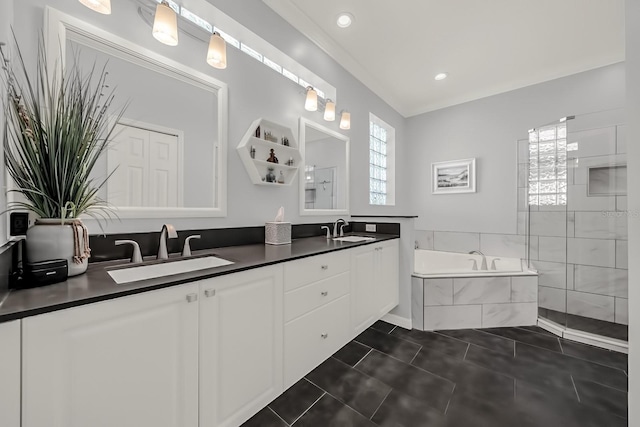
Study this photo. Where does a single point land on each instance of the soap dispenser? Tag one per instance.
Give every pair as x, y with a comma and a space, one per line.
281, 178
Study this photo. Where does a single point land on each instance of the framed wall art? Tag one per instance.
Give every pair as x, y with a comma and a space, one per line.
457, 176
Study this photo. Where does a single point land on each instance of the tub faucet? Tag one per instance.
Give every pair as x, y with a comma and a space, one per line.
483, 266
168, 232
335, 227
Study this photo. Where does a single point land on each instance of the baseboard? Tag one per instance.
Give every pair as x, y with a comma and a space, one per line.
394, 319
584, 337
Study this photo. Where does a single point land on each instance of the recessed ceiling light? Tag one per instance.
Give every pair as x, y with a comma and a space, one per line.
344, 20
441, 76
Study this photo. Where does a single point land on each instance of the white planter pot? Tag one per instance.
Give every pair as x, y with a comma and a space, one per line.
48, 239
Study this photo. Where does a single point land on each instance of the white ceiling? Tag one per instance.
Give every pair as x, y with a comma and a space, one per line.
487, 46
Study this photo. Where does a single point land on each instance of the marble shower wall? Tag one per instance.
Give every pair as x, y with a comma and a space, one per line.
580, 250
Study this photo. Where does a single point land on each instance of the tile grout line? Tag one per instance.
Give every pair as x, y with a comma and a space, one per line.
561, 348
449, 402
362, 358
380, 405
574, 387
277, 415
311, 406
393, 329
466, 351
414, 357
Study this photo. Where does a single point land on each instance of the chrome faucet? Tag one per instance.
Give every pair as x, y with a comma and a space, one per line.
168, 232
483, 266
335, 227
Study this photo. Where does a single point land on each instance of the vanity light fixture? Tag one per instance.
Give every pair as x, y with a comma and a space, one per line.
311, 103
330, 111
441, 76
217, 53
345, 120
165, 25
100, 6
344, 20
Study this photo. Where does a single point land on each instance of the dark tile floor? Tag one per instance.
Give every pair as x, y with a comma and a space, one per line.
580, 323
523, 377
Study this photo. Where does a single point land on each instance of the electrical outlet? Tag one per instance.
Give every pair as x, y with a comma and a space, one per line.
18, 223
371, 228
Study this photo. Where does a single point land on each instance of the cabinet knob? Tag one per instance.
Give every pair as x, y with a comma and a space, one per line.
324, 267
324, 293
192, 297
324, 336
209, 293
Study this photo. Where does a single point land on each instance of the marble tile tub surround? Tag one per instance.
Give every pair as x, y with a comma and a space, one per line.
389, 376
104, 249
506, 245
475, 302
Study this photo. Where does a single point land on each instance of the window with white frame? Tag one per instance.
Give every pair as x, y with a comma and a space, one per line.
548, 165
381, 162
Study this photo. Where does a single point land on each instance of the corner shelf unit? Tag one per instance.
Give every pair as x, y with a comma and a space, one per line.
257, 167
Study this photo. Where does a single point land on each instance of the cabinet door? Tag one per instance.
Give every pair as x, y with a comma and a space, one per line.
388, 276
363, 288
241, 345
127, 362
10, 374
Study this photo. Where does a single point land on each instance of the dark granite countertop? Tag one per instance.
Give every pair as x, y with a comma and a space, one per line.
96, 285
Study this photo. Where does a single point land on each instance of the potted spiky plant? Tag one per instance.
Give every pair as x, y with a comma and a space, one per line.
58, 124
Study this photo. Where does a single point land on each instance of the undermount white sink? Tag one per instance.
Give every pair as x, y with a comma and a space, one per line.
143, 272
354, 239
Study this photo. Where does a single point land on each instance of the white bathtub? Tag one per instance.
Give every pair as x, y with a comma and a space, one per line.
433, 264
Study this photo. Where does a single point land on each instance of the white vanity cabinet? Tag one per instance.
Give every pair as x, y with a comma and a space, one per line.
317, 309
127, 362
208, 353
240, 345
374, 282
10, 374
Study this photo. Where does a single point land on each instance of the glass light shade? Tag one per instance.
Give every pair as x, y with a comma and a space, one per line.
100, 6
311, 103
165, 25
345, 120
330, 111
217, 53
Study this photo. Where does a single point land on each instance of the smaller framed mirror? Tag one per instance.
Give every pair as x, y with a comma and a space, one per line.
324, 173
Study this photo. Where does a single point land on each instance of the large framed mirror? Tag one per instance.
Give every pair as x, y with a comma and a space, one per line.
324, 173
169, 155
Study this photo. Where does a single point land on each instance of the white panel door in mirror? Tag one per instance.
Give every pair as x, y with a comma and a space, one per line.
147, 165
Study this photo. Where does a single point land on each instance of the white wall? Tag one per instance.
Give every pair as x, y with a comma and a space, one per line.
6, 19
254, 91
633, 157
488, 130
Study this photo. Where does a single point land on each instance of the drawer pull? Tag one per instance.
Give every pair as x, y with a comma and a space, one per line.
209, 293
324, 267
192, 297
324, 336
324, 293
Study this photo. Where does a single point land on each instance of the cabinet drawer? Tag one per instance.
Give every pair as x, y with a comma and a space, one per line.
308, 270
312, 338
306, 298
